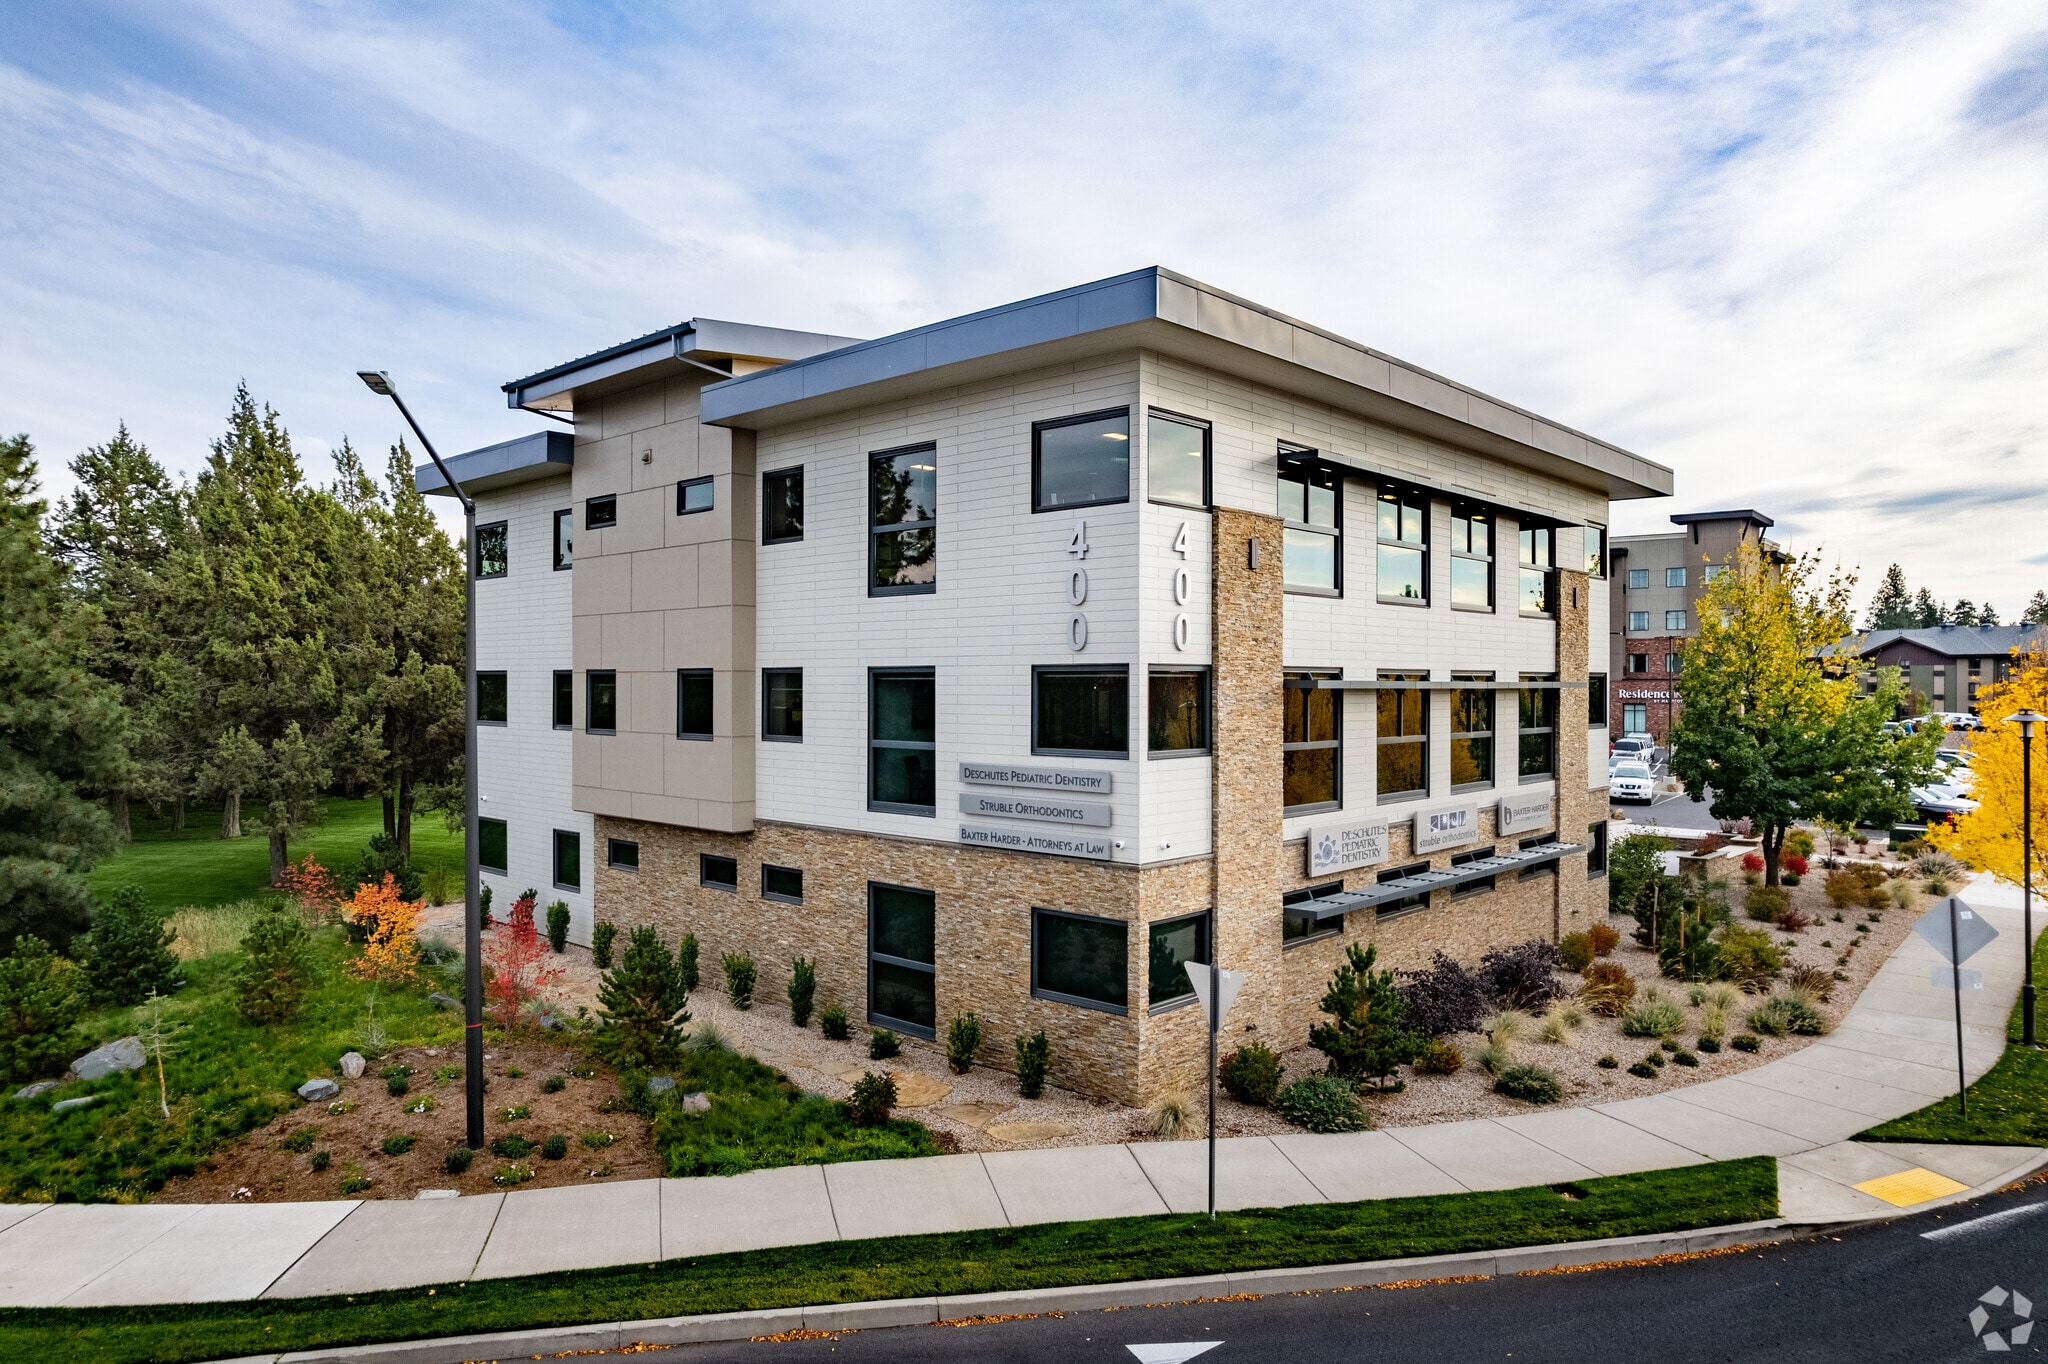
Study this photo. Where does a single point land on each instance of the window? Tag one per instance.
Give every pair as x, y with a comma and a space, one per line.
1081, 461
601, 702
1537, 552
1712, 572
902, 761
693, 703
1596, 849
1402, 522
1538, 727
782, 506
568, 860
1596, 551
1177, 460
1471, 560
694, 495
491, 844
1310, 752
1672, 663
1541, 868
1298, 925
1169, 946
1403, 737
490, 698
783, 884
1639, 620
621, 854
1407, 904
902, 952
1465, 859
1638, 663
1635, 718
718, 873
782, 704
1596, 700
1638, 579
565, 538
903, 521
1674, 577
599, 512
1080, 959
1177, 711
1082, 711
1674, 620
1472, 732
565, 699
493, 550
1311, 500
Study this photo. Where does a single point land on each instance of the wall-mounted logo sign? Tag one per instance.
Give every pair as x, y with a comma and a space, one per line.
1033, 840
1448, 828
1643, 694
1052, 809
1039, 778
1520, 814
1339, 847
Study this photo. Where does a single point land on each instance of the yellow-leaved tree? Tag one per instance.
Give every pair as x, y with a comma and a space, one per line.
1989, 837
387, 923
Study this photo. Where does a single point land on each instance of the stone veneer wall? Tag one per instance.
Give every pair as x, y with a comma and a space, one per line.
1582, 901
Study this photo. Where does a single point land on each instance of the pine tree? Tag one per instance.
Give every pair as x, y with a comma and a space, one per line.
128, 953
40, 1003
1927, 612
642, 1005
62, 730
1369, 1037
1987, 616
1891, 608
2037, 610
1964, 612
277, 974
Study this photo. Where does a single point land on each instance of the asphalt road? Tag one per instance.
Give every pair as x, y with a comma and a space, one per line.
1880, 1292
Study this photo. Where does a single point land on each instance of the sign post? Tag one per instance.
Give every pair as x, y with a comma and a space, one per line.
1958, 932
1215, 989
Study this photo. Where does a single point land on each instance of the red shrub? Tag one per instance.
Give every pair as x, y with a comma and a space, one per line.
1793, 863
515, 953
1752, 862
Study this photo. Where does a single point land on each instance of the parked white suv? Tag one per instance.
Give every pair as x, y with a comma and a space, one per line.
1955, 719
1631, 781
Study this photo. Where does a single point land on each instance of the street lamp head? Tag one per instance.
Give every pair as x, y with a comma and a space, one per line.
377, 381
2027, 720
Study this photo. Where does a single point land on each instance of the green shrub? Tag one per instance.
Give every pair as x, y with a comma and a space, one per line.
803, 991
1034, 1057
510, 1146
1323, 1103
641, 1004
873, 1096
597, 1141
1786, 1016
301, 1141
353, 1180
457, 1161
128, 953
1765, 903
319, 1161
278, 973
555, 1147
963, 1039
1367, 1037
1743, 1041
833, 1023
1577, 949
513, 1175
1684, 1058
1707, 1044
1653, 1018
383, 855
397, 1085
1494, 1057
558, 926
1608, 1063
1667, 1045
686, 961
1251, 1075
40, 1004
601, 935
739, 978
1439, 1057
882, 1044
554, 1084
399, 1144
1749, 956
1531, 1084
1643, 1070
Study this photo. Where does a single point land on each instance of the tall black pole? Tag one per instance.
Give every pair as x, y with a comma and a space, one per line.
1955, 970
1215, 1021
2027, 878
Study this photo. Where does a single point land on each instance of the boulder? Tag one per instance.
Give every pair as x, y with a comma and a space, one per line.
66, 1105
318, 1090
125, 1054
697, 1101
36, 1090
352, 1065
441, 1001
660, 1085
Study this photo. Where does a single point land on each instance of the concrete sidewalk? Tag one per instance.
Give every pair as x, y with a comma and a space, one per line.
1894, 1052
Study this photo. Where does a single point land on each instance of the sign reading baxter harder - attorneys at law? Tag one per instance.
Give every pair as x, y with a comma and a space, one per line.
1520, 814
1023, 805
1036, 840
1037, 778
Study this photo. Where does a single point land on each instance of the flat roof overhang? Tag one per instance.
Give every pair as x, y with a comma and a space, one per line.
688, 348
544, 454
1157, 310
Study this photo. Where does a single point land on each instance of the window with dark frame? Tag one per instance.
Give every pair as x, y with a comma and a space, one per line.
1177, 712
599, 512
1536, 727
1635, 718
1176, 460
1537, 554
1674, 620
1471, 559
1596, 849
1082, 461
601, 702
1298, 925
1403, 740
493, 550
693, 703
564, 699
1637, 663
1081, 712
718, 873
492, 845
1674, 577
1639, 620
1401, 524
1170, 944
622, 854
565, 538
492, 701
1310, 500
902, 752
1472, 732
903, 521
1638, 579
782, 705
902, 958
695, 495
1080, 959
568, 860
784, 885
1407, 904
1466, 859
1596, 551
1311, 745
1596, 700
782, 506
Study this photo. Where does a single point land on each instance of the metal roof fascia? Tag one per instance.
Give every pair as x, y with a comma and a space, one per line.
550, 383
541, 454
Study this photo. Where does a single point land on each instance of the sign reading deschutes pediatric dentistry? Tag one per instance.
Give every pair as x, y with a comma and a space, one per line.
1052, 809
1446, 828
1033, 840
1043, 778
1339, 847
1519, 814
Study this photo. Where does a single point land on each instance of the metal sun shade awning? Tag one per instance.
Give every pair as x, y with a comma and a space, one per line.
1400, 684
1332, 906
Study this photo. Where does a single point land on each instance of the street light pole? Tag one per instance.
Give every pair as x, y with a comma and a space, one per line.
2027, 720
472, 921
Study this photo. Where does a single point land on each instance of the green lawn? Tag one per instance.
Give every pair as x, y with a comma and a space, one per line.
195, 866
2008, 1107
914, 1266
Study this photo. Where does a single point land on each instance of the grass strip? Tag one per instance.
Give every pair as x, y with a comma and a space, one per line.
2008, 1106
1050, 1256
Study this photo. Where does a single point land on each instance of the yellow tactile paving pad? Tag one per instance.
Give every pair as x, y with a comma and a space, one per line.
1908, 1187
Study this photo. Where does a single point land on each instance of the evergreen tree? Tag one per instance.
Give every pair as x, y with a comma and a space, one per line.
39, 1005
1964, 612
2037, 610
1927, 612
61, 729
128, 953
642, 1005
1891, 608
277, 974
1368, 1037
1987, 615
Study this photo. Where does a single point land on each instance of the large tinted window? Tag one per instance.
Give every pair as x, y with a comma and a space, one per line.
1081, 461
1471, 559
903, 516
902, 752
490, 698
1082, 960
1310, 500
1310, 746
1538, 728
491, 844
902, 947
1170, 946
782, 506
1401, 523
1403, 736
1472, 731
1177, 460
601, 705
565, 538
1082, 710
1177, 711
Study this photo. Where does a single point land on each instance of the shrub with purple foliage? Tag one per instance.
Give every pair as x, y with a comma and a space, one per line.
1523, 976
1443, 999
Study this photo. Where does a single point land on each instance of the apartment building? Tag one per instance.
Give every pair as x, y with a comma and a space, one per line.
1944, 665
1013, 662
1655, 609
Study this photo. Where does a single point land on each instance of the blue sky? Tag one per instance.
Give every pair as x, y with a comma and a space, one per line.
1797, 251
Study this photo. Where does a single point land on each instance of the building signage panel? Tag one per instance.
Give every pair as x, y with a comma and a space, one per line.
1036, 840
1644, 694
1052, 809
1519, 814
1352, 843
1453, 827
1039, 778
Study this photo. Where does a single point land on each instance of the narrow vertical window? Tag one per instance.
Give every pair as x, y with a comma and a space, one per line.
902, 958
693, 703
782, 506
1401, 522
1596, 551
1081, 461
1310, 499
565, 699
1311, 745
1472, 731
565, 538
1471, 559
1537, 727
902, 747
493, 550
782, 704
1403, 737
1170, 945
491, 845
491, 700
1596, 700
1537, 553
601, 702
903, 520
1596, 849
568, 860
1177, 460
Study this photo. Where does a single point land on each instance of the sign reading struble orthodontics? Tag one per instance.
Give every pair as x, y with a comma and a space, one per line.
1450, 827
1342, 846
1519, 814
1052, 809
1040, 778
1035, 840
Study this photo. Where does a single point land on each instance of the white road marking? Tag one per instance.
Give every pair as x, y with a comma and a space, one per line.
1177, 1353
1984, 1223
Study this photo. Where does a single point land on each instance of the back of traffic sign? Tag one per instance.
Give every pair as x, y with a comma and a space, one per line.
1955, 930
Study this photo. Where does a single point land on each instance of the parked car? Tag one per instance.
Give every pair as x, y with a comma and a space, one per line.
1631, 781
1956, 719
1940, 802
1627, 750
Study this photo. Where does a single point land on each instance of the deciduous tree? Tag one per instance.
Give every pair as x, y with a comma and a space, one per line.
1990, 837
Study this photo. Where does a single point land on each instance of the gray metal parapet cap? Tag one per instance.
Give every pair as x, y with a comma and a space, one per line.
540, 454
868, 1316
